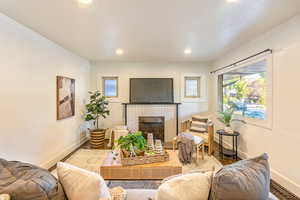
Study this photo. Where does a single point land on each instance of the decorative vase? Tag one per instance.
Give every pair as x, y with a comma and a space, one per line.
97, 138
150, 142
158, 147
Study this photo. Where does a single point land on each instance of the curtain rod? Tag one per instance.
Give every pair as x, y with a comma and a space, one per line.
257, 54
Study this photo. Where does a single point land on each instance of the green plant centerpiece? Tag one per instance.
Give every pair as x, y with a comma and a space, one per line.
96, 108
133, 144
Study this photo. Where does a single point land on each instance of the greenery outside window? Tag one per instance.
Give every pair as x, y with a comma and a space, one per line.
110, 87
192, 87
247, 89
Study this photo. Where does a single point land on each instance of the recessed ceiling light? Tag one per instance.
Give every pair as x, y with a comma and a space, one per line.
231, 1
187, 51
85, 1
119, 51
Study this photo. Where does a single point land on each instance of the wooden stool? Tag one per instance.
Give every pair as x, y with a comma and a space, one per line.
198, 141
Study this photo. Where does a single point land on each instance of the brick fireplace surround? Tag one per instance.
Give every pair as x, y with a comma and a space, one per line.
169, 112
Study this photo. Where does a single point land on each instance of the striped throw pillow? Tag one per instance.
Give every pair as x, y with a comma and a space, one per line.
199, 124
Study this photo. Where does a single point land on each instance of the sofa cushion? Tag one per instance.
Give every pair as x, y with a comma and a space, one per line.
28, 182
4, 197
197, 184
247, 179
81, 184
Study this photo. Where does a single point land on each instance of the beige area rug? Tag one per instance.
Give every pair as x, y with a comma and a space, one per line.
92, 159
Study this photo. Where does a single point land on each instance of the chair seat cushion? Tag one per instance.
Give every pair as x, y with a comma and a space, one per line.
198, 140
202, 135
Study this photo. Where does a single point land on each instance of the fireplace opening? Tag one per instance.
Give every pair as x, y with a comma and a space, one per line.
154, 125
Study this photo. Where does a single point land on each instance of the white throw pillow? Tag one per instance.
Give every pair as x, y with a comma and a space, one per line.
81, 184
4, 197
186, 187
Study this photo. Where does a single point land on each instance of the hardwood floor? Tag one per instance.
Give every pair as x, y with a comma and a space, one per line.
279, 191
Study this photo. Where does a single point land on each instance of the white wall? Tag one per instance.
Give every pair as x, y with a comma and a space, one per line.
126, 70
283, 140
29, 64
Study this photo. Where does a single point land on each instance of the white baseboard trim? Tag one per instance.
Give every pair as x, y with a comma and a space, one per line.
276, 176
58, 157
286, 182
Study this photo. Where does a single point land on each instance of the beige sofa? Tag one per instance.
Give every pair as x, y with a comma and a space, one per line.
41, 180
139, 194
142, 194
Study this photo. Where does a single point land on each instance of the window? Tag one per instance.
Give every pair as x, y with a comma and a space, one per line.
110, 86
245, 90
192, 87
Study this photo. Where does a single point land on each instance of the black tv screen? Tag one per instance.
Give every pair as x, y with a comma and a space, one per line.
151, 90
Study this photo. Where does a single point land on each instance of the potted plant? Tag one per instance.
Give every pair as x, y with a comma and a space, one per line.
96, 108
133, 144
226, 117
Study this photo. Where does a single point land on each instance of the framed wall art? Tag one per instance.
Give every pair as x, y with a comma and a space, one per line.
65, 91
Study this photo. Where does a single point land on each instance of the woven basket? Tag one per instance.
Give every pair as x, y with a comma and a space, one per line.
146, 159
118, 193
97, 139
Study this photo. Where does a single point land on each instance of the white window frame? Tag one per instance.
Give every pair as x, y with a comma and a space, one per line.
203, 88
104, 78
268, 121
198, 79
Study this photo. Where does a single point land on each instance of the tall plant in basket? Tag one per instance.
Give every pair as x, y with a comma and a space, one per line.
97, 108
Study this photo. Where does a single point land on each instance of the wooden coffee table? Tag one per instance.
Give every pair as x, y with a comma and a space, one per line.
113, 170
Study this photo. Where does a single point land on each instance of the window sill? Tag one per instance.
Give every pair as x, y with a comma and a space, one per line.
193, 100
265, 124
114, 100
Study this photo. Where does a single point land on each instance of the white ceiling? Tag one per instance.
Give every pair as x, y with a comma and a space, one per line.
150, 30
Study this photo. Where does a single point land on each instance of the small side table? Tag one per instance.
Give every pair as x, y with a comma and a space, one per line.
228, 152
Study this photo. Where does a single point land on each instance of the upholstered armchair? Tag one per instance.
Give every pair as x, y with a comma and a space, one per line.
203, 127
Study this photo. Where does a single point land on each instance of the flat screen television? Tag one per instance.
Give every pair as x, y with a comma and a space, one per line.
151, 90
